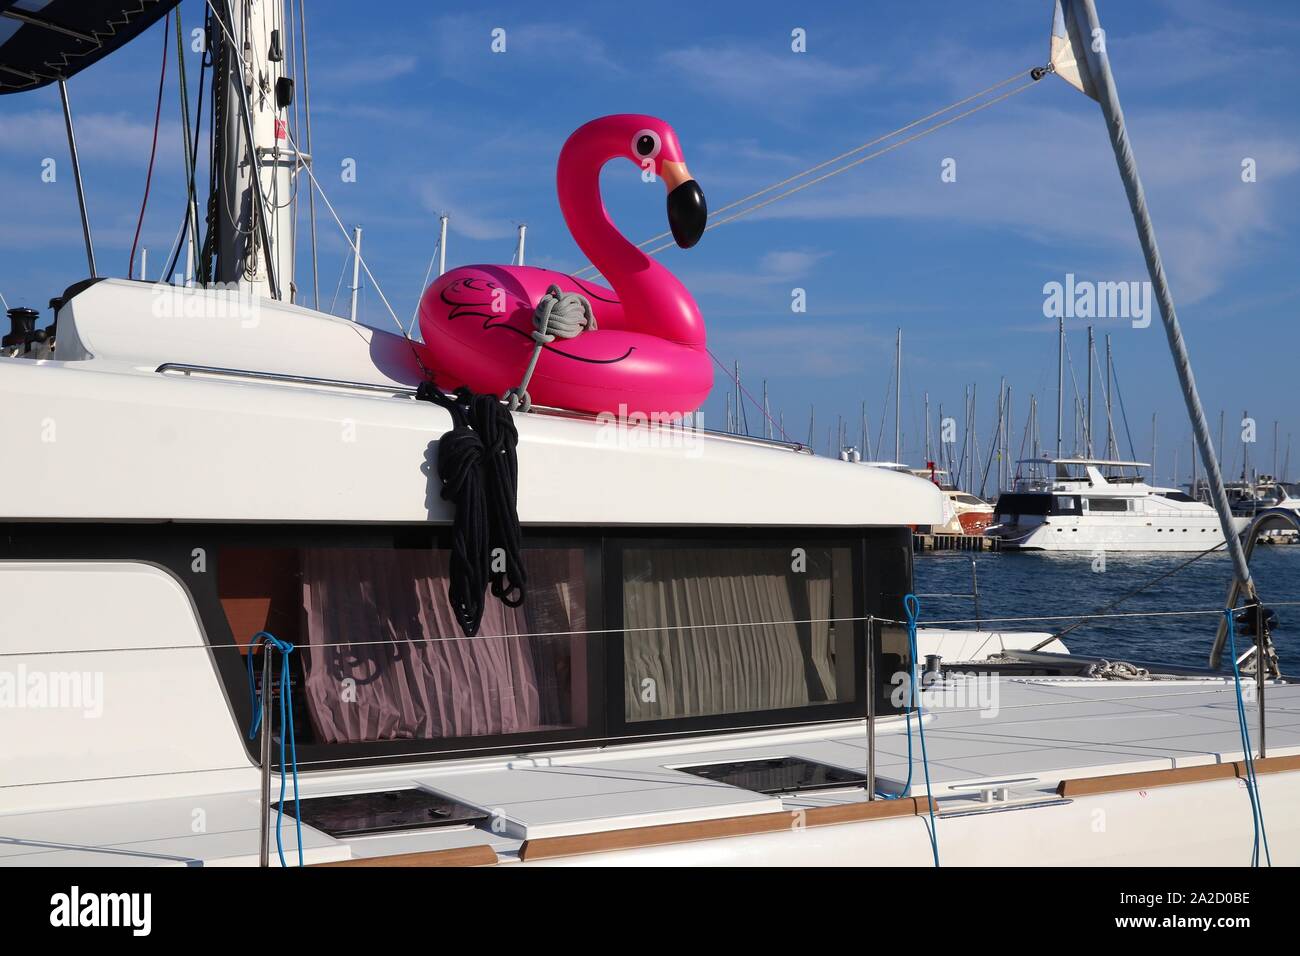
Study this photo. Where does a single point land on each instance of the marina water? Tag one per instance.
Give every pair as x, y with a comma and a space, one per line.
1045, 584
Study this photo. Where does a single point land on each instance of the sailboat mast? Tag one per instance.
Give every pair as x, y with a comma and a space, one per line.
442, 244
1111, 451
1060, 383
257, 166
898, 396
356, 269
928, 457
1087, 430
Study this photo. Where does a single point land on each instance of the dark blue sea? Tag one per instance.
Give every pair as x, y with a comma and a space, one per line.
1015, 584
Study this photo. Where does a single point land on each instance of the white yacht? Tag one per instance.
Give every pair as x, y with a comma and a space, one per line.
1092, 504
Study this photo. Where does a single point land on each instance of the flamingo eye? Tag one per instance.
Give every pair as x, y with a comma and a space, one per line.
646, 144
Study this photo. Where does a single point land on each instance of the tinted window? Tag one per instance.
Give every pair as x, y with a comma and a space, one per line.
735, 629
1017, 504
1108, 504
383, 657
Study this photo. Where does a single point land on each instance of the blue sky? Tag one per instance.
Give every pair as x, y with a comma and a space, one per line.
436, 121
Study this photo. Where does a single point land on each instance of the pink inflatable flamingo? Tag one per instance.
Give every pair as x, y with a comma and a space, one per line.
647, 349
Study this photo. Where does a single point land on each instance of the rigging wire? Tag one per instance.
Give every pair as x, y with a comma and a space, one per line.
830, 162
415, 314
306, 112
191, 201
1105, 608
230, 44
1124, 415
153, 149
1248, 756
857, 162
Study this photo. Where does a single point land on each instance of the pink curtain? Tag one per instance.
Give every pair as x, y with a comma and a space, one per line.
405, 670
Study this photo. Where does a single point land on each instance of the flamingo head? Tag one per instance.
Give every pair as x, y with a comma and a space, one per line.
651, 144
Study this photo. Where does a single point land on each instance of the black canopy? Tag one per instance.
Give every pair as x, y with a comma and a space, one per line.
42, 41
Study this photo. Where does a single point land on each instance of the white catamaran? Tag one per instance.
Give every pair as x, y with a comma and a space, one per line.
225, 559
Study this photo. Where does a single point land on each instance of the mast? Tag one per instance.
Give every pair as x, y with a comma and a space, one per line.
898, 396
974, 436
767, 410
928, 458
1083, 14
1245, 450
519, 249
1276, 476
257, 166
356, 269
1060, 383
1153, 448
1087, 431
442, 244
1111, 452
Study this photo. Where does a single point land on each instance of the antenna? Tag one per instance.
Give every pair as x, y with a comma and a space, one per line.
519, 250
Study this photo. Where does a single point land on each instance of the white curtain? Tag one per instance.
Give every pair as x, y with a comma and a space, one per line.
675, 665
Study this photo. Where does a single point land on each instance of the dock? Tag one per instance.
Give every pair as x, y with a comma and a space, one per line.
954, 542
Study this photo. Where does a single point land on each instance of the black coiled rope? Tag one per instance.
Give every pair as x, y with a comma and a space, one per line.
479, 470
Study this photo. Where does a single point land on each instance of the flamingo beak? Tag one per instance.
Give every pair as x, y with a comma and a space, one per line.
688, 213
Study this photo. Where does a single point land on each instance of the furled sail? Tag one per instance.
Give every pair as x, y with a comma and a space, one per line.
1070, 43
43, 41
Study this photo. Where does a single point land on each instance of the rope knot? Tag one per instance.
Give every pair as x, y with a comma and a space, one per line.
562, 315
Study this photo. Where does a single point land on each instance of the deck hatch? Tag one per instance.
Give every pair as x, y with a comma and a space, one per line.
773, 775
357, 814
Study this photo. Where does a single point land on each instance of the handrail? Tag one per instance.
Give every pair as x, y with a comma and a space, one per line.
407, 391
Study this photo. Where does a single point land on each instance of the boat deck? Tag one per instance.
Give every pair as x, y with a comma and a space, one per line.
1048, 729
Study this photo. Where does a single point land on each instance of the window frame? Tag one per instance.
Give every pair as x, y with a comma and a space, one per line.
615, 547
881, 571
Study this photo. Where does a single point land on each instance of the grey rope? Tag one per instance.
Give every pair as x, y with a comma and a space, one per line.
559, 314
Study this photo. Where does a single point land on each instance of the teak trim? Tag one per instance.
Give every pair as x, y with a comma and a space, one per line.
1149, 779
480, 855
692, 831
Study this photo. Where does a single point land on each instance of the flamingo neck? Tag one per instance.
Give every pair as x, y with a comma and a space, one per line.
653, 299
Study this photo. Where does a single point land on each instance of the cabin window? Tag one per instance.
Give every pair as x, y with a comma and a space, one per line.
712, 629
383, 657
1011, 506
1111, 505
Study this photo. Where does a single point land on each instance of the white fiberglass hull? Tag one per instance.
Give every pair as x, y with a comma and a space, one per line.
1081, 536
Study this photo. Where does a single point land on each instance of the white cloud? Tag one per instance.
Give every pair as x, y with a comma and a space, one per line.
1048, 175
761, 77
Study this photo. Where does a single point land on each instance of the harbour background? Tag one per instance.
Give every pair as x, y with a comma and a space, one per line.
1027, 584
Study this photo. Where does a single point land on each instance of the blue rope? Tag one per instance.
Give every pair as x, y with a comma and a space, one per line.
286, 723
913, 608
1252, 782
